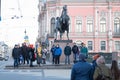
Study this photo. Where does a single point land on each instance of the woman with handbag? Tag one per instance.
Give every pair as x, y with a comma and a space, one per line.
102, 70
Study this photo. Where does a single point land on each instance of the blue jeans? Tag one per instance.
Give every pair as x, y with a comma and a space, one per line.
67, 59
16, 62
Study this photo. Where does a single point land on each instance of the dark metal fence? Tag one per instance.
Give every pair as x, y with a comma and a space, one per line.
107, 56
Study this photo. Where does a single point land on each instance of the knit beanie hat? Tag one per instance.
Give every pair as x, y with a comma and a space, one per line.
96, 56
100, 60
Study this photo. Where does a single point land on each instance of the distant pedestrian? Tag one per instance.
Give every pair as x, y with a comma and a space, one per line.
39, 54
57, 54
16, 55
84, 50
48, 56
67, 52
75, 51
25, 53
81, 70
102, 68
31, 54
94, 64
95, 57
53, 53
115, 70
44, 53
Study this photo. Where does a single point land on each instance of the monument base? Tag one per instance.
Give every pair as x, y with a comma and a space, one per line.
63, 41
62, 44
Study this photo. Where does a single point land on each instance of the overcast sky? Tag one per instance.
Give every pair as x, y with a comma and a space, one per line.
12, 30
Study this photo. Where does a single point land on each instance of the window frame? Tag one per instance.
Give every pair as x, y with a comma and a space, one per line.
102, 25
117, 25
89, 25
90, 46
117, 45
102, 45
78, 27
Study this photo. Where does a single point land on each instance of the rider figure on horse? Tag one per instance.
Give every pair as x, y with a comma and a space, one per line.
64, 13
62, 23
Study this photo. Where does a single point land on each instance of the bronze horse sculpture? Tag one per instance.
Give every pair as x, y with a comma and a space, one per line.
62, 24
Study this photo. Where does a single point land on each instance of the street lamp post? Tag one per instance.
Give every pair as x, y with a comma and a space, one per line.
26, 38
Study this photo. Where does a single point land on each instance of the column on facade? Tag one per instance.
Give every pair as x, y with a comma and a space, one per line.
96, 28
110, 28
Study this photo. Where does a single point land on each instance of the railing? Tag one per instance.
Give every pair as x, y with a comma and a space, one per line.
107, 56
116, 35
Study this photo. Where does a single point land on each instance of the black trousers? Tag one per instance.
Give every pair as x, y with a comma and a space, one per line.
57, 59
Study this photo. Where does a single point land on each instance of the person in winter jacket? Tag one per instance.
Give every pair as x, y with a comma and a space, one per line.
39, 54
53, 52
67, 52
25, 53
75, 51
84, 50
16, 55
31, 54
57, 54
81, 70
101, 67
94, 64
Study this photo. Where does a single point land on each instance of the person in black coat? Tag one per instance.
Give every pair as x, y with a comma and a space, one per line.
31, 55
16, 55
67, 52
25, 52
53, 52
75, 51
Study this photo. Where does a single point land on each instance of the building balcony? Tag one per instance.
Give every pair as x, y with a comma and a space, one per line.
116, 35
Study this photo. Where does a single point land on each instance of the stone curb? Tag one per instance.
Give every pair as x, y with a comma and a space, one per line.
60, 66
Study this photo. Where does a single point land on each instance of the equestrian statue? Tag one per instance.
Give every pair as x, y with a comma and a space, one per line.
62, 23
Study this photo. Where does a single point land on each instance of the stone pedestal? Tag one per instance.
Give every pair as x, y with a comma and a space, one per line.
62, 41
62, 44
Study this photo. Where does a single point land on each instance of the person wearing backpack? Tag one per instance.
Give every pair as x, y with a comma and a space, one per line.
102, 70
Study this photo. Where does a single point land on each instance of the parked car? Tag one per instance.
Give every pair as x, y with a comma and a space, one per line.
4, 52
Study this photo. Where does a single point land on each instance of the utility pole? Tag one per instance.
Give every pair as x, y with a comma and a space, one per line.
0, 10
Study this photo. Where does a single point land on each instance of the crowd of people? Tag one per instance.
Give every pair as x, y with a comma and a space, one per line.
81, 69
27, 54
96, 70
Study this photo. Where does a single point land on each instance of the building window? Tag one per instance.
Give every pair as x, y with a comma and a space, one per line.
89, 25
52, 25
78, 26
102, 25
90, 45
117, 45
117, 25
103, 45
